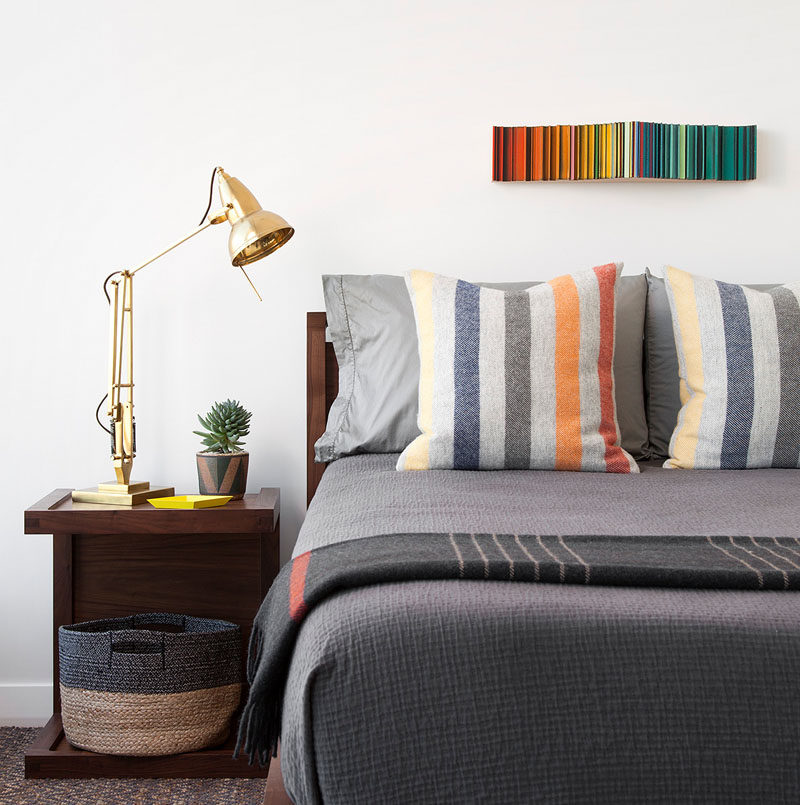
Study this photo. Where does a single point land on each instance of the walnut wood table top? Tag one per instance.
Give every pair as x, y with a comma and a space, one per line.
57, 513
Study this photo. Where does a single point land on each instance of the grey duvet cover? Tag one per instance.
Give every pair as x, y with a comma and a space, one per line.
461, 692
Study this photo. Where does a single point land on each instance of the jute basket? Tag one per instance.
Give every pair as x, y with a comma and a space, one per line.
154, 684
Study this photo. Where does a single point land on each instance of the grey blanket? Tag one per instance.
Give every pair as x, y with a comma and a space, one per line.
365, 495
459, 691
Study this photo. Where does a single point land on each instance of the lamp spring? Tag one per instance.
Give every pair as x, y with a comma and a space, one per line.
113, 439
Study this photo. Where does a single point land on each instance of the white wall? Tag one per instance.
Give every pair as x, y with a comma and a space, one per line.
368, 126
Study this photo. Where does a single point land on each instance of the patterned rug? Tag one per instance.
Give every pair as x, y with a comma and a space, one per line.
16, 790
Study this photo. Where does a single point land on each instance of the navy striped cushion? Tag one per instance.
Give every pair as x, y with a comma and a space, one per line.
739, 363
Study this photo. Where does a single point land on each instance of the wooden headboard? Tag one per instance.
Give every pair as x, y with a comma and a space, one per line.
322, 386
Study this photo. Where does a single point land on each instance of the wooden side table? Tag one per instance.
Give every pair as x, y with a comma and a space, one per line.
110, 561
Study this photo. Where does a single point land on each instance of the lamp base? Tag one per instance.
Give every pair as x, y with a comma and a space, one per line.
115, 494
124, 489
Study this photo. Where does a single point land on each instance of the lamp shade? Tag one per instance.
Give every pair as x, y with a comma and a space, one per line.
255, 233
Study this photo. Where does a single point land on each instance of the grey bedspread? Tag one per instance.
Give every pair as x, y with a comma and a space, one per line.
449, 691
365, 495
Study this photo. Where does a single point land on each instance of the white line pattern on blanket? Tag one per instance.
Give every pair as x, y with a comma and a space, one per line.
586, 568
775, 553
765, 561
785, 547
562, 570
459, 556
530, 556
483, 556
507, 557
738, 559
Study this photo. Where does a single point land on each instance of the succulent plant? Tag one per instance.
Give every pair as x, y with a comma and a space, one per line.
225, 425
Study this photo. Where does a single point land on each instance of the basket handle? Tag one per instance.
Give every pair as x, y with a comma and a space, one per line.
124, 642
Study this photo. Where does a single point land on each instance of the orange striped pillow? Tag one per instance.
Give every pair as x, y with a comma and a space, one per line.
516, 379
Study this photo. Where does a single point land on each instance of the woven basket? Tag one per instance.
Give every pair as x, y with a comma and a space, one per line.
155, 684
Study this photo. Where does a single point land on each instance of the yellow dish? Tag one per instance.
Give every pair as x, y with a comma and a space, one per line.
190, 501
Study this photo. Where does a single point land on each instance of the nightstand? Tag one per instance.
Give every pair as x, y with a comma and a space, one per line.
110, 561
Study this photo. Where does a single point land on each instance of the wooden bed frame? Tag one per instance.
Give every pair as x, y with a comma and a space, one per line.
322, 386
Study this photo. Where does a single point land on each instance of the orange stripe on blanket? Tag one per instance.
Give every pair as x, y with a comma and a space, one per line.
569, 449
297, 584
615, 458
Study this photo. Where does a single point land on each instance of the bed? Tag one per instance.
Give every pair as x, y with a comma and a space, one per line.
467, 691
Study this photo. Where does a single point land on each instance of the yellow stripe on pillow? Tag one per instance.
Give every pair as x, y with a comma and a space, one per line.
690, 352
417, 455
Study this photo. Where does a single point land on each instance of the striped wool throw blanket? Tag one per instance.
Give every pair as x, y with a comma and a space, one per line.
740, 563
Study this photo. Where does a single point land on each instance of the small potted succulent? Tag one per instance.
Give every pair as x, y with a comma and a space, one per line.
222, 465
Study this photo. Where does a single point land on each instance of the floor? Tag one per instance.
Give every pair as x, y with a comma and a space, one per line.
16, 790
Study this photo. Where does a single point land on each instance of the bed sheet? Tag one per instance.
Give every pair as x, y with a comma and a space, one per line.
460, 692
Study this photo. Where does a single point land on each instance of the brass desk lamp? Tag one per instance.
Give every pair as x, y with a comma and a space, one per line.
254, 234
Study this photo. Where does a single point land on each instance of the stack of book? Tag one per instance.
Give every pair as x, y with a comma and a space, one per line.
631, 150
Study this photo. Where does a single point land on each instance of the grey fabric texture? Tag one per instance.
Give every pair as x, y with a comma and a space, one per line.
364, 495
661, 380
489, 692
458, 691
371, 325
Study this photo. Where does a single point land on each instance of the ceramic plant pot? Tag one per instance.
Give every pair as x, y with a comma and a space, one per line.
223, 473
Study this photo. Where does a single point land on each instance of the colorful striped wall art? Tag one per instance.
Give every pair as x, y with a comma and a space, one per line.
631, 150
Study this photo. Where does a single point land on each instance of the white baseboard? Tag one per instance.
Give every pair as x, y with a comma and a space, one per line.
25, 705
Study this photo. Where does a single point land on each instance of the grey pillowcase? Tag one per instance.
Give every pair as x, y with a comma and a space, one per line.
371, 325
661, 379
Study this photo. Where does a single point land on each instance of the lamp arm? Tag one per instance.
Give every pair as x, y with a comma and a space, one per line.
218, 218
115, 338
121, 342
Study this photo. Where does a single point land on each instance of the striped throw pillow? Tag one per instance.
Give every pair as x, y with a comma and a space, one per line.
739, 364
516, 379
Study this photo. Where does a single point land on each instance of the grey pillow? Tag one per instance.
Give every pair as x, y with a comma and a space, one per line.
371, 325
661, 380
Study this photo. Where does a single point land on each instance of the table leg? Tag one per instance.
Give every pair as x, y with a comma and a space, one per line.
62, 600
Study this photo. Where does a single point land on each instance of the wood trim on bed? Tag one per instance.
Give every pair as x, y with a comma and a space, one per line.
322, 386
275, 793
